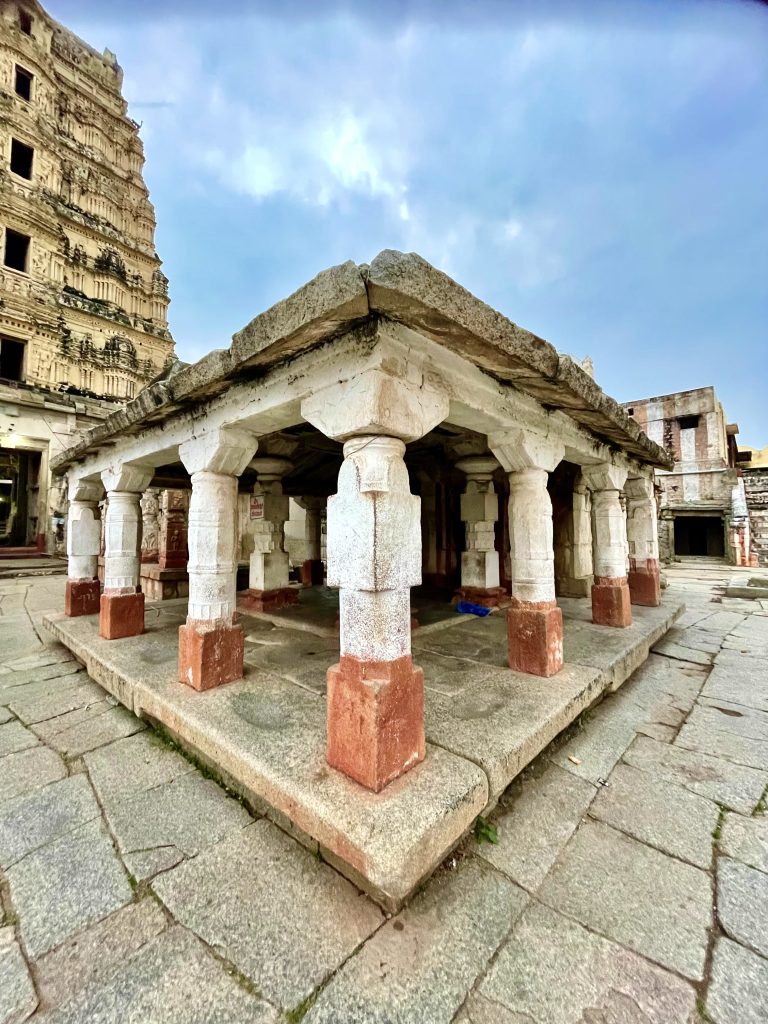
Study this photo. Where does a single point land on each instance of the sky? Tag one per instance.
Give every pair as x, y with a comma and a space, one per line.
596, 171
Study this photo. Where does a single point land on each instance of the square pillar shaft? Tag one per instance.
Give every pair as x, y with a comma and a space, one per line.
121, 611
480, 578
312, 569
610, 592
644, 577
269, 567
83, 545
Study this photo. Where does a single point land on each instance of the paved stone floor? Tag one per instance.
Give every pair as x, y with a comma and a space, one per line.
628, 885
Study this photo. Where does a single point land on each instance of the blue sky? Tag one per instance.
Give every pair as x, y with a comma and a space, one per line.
597, 171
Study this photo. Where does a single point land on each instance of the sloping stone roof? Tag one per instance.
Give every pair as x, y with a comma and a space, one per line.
405, 288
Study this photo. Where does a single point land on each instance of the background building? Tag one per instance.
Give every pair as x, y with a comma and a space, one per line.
83, 300
702, 509
753, 463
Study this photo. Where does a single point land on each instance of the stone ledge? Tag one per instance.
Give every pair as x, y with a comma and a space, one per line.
265, 735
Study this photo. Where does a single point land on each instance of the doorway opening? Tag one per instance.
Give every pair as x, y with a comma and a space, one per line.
703, 536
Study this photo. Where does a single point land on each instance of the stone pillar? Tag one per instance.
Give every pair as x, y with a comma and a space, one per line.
83, 546
375, 703
172, 553
644, 578
312, 569
268, 511
210, 643
150, 525
535, 623
121, 611
480, 582
610, 592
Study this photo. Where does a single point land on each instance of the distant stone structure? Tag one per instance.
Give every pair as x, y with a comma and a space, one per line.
703, 509
83, 300
753, 463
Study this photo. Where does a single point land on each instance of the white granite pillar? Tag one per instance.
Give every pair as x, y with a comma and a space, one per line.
480, 581
121, 610
610, 592
83, 545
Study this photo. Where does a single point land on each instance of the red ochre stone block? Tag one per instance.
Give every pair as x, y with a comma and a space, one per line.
121, 615
210, 654
535, 635
645, 584
82, 597
375, 715
268, 600
611, 605
312, 572
486, 597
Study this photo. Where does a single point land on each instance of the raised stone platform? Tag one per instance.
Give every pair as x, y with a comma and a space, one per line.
265, 735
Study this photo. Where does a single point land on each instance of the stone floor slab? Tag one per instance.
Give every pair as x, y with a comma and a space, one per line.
100, 724
38, 708
737, 736
745, 840
635, 895
29, 769
401, 974
309, 921
638, 803
742, 903
14, 737
18, 999
5, 715
740, 680
670, 649
592, 751
555, 971
94, 953
535, 821
133, 765
159, 827
65, 886
37, 818
738, 989
736, 786
173, 978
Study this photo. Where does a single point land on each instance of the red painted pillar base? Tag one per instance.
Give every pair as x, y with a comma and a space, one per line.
486, 597
535, 633
268, 600
611, 601
82, 597
312, 572
375, 719
644, 581
210, 654
121, 615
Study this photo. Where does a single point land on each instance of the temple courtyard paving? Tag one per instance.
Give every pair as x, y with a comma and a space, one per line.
628, 883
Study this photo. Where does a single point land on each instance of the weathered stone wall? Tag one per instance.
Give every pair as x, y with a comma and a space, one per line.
756, 486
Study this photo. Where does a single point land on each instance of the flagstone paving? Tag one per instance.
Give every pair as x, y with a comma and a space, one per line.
628, 883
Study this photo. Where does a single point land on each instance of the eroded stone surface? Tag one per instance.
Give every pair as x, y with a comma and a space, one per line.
737, 786
32, 820
18, 998
400, 975
538, 824
289, 946
133, 765
635, 895
100, 725
736, 733
554, 970
742, 903
66, 885
29, 769
746, 840
738, 990
171, 978
639, 803
14, 737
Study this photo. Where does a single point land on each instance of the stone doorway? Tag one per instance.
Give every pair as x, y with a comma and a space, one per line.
700, 536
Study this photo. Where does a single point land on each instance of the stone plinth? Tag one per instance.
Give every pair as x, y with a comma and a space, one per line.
486, 597
268, 600
82, 597
160, 584
645, 583
611, 603
535, 637
210, 654
121, 615
312, 572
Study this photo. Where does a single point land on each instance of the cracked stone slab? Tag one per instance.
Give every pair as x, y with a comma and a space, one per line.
90, 955
14, 737
738, 787
38, 708
400, 976
31, 821
555, 971
30, 769
638, 803
742, 903
65, 886
133, 765
670, 649
738, 734
740, 680
634, 895
34, 676
100, 725
746, 840
5, 716
159, 827
309, 918
18, 999
593, 750
172, 977
738, 988
542, 814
